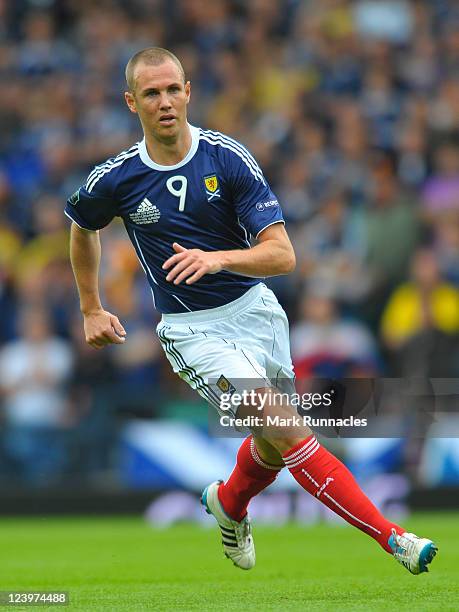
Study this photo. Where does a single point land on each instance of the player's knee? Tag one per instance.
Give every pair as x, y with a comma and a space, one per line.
281, 427
254, 402
284, 444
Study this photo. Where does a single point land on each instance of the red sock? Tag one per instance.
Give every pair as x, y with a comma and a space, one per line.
250, 476
324, 476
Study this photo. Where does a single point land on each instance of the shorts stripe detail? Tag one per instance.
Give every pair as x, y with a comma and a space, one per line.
183, 368
257, 373
272, 326
192, 378
277, 376
242, 350
198, 381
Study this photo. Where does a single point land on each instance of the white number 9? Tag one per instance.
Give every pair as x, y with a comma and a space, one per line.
179, 193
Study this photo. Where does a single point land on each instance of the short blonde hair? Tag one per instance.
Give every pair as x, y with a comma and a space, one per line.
153, 56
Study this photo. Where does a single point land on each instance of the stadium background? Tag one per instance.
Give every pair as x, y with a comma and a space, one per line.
352, 110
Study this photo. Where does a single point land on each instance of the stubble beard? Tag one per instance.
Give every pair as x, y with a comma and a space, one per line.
165, 138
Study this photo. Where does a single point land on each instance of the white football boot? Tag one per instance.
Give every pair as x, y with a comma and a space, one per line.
236, 537
412, 552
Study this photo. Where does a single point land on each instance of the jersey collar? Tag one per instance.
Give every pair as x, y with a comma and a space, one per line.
192, 150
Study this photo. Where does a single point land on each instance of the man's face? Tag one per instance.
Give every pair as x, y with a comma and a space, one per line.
160, 99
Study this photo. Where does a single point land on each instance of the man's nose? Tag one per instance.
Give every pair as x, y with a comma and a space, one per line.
165, 101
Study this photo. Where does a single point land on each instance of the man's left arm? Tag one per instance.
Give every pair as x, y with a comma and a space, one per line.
271, 256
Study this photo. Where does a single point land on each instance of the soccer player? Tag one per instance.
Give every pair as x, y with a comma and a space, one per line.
190, 199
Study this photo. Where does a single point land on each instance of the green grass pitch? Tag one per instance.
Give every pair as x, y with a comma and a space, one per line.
120, 564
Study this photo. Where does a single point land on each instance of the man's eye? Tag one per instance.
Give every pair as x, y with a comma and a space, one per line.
174, 89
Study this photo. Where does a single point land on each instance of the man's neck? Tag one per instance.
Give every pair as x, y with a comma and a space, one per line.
169, 153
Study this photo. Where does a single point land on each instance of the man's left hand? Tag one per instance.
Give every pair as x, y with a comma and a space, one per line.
191, 264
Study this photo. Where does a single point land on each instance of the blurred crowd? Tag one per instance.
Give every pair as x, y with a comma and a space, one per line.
352, 110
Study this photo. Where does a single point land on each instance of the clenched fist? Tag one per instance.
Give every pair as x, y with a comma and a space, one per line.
101, 328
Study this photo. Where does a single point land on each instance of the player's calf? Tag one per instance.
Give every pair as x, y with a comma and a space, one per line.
282, 427
228, 501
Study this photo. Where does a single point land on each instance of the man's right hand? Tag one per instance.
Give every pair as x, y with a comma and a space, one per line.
101, 328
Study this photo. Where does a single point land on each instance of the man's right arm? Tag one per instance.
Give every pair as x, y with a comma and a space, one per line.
100, 326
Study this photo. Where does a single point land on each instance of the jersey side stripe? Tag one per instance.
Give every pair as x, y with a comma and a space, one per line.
96, 179
237, 145
110, 162
143, 262
180, 302
237, 148
149, 273
238, 153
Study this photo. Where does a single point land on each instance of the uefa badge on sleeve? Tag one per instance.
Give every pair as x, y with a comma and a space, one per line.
212, 187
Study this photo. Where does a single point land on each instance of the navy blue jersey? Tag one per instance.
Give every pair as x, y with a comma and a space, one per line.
214, 199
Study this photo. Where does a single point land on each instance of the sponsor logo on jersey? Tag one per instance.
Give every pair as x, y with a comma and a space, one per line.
212, 187
145, 213
75, 197
264, 205
224, 385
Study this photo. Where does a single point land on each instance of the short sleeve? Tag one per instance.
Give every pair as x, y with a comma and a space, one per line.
256, 205
91, 209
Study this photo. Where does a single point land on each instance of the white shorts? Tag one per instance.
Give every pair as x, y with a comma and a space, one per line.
240, 346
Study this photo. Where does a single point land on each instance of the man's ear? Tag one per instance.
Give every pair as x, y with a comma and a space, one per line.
130, 101
188, 91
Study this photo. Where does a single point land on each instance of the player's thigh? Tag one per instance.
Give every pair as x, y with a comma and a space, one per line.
263, 331
211, 365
